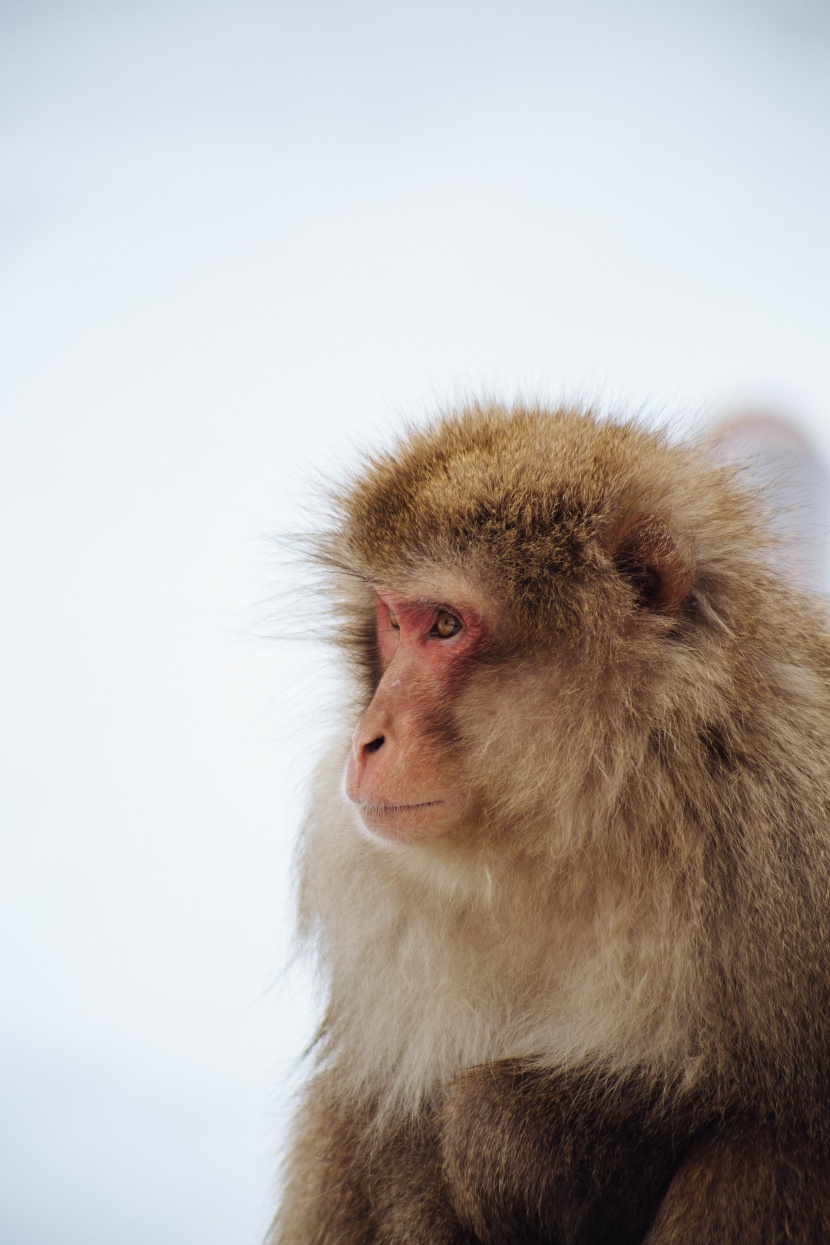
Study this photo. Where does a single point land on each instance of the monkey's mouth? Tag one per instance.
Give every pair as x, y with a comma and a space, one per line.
381, 809
403, 823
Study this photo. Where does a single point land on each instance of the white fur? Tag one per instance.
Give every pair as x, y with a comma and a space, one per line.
436, 963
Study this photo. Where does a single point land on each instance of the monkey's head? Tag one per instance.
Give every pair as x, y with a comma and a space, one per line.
527, 593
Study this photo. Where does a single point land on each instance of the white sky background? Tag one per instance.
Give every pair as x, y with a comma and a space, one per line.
236, 240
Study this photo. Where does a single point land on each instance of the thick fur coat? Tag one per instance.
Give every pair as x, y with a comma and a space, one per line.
601, 1010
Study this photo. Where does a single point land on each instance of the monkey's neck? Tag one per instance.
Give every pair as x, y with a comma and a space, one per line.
430, 972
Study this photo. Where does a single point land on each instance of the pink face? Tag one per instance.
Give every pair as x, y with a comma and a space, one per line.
402, 772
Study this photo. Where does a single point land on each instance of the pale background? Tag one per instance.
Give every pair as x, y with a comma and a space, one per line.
239, 239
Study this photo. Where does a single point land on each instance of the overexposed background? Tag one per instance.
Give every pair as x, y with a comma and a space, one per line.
237, 239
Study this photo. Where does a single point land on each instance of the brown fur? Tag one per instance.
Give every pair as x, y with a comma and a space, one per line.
603, 1004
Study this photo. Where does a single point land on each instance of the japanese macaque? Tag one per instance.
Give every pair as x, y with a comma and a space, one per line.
566, 871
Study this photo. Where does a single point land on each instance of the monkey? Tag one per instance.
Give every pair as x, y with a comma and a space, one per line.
566, 866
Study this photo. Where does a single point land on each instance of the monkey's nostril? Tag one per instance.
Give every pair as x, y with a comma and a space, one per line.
374, 744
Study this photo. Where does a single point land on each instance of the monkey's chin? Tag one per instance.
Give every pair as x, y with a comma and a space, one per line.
404, 823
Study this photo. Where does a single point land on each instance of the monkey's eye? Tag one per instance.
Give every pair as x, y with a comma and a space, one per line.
393, 621
446, 625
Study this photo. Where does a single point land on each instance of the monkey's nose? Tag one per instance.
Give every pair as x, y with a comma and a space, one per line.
358, 763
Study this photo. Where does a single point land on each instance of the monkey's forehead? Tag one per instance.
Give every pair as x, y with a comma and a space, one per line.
517, 494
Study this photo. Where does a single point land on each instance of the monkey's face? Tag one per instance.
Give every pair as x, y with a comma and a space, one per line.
405, 774
528, 568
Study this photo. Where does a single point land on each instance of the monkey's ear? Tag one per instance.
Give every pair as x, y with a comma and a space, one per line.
646, 556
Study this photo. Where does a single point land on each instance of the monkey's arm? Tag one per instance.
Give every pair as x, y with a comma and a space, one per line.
536, 1155
351, 1181
739, 1187
325, 1199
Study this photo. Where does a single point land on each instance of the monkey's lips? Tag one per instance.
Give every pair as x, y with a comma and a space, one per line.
404, 821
